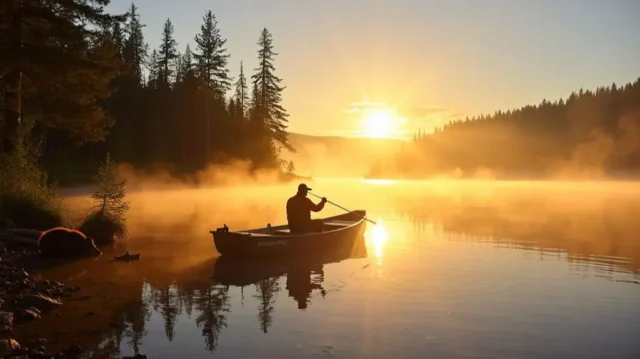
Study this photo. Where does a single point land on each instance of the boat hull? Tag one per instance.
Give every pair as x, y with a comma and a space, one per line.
237, 272
259, 243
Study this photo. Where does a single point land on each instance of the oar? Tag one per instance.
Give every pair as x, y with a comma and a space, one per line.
339, 206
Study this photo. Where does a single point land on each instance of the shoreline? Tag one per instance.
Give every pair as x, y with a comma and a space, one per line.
25, 300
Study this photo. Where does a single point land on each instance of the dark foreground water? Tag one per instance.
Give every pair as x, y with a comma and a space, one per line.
453, 270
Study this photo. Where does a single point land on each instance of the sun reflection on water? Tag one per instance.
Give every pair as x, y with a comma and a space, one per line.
377, 237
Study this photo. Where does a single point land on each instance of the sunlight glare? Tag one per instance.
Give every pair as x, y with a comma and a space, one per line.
379, 123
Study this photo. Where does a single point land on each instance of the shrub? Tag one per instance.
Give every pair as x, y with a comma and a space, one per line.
26, 198
103, 228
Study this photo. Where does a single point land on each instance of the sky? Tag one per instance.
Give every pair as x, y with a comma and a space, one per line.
425, 61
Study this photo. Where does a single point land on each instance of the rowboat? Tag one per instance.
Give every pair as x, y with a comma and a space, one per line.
339, 232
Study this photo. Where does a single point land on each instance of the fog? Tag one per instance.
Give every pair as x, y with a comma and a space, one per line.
579, 218
338, 156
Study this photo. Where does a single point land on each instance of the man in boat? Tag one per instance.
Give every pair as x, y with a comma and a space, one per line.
299, 209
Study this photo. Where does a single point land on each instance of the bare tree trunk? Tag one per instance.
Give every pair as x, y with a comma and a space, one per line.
13, 80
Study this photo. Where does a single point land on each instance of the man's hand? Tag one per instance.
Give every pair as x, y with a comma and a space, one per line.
324, 199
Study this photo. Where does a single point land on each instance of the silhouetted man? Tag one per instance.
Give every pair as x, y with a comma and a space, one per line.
299, 209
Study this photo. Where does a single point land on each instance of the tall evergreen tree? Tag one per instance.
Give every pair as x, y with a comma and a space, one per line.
187, 59
185, 66
154, 69
211, 56
242, 93
167, 55
135, 49
118, 39
268, 109
231, 108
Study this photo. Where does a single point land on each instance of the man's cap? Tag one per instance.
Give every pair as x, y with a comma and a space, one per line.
302, 187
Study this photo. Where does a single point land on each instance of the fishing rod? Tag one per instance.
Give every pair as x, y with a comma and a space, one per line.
339, 206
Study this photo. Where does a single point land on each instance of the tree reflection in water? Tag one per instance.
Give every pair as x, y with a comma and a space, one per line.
128, 296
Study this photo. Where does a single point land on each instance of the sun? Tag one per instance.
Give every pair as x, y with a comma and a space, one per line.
379, 123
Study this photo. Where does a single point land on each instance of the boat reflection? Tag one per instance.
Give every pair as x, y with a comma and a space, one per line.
304, 274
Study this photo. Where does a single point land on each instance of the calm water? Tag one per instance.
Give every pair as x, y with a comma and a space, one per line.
453, 270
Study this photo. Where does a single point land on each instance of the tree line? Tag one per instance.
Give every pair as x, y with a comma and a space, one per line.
589, 135
78, 83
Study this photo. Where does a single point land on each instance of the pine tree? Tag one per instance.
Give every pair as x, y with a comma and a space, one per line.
242, 93
110, 191
254, 106
118, 40
154, 70
185, 64
211, 56
52, 43
135, 49
232, 109
187, 59
167, 55
291, 168
267, 105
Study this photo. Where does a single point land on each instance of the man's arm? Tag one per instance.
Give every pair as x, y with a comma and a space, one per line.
316, 207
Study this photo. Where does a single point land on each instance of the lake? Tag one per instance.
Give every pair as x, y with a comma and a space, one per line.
452, 270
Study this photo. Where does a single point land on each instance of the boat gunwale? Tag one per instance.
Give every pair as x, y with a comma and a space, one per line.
259, 236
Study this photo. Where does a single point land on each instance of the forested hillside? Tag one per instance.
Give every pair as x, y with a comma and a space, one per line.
78, 83
588, 135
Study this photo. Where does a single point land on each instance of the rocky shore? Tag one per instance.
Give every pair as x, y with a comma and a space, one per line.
23, 298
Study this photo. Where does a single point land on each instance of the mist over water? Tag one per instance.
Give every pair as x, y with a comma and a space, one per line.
461, 269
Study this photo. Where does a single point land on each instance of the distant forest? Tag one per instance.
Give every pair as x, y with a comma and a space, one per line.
77, 83
590, 135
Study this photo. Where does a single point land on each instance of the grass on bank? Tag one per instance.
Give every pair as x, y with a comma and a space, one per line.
27, 199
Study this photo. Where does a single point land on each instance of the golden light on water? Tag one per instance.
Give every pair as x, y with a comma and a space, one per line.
378, 237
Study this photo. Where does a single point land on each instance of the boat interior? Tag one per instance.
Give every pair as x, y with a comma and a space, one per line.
329, 225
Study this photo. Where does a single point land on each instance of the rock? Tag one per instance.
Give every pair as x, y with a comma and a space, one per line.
8, 346
41, 302
6, 318
11, 238
137, 356
30, 314
42, 341
34, 234
63, 242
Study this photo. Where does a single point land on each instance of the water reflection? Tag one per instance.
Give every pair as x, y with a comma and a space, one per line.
598, 228
443, 280
304, 274
379, 236
266, 289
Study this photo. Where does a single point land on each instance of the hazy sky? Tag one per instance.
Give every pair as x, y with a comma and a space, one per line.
428, 59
